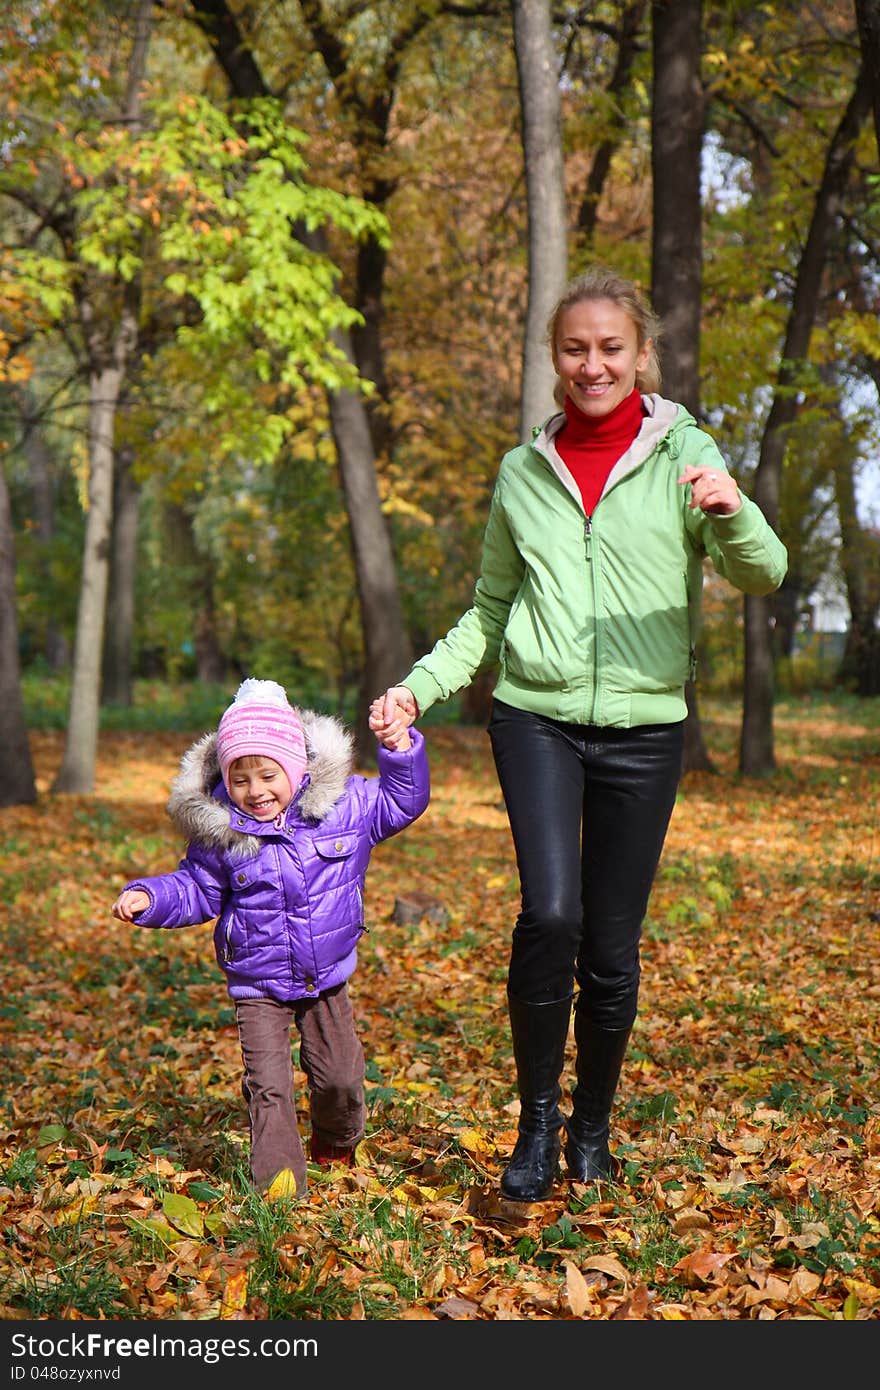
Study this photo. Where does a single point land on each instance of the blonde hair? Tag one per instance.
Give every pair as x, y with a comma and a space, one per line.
246, 761
601, 283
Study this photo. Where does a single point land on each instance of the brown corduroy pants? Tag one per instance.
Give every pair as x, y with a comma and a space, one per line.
331, 1057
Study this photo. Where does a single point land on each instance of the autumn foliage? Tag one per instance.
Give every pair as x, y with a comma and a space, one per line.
747, 1127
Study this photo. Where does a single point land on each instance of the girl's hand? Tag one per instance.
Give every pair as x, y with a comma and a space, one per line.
398, 743
392, 713
129, 903
713, 490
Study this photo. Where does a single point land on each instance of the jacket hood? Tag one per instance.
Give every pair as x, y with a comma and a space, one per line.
203, 817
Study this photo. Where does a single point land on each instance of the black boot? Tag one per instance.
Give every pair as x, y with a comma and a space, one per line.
539, 1035
600, 1054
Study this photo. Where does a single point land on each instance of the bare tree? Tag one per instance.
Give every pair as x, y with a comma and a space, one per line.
538, 71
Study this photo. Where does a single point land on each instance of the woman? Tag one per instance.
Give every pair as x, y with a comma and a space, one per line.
588, 602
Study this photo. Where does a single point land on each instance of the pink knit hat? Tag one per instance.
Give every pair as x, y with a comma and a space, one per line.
260, 721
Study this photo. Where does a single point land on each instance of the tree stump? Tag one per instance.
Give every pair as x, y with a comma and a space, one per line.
418, 907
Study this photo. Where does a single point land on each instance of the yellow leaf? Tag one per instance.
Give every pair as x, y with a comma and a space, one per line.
282, 1187
234, 1294
865, 1294
476, 1142
75, 1211
415, 1195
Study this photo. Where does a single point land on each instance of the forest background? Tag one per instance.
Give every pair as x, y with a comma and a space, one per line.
272, 286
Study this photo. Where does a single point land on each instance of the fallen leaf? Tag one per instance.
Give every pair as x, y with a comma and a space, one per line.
690, 1219
456, 1308
606, 1264
577, 1289
183, 1214
234, 1294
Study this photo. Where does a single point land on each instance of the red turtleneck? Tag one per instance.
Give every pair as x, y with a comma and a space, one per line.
590, 446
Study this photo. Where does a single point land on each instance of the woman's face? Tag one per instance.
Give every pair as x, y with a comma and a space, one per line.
596, 354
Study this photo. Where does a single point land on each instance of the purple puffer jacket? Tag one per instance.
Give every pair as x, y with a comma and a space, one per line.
288, 899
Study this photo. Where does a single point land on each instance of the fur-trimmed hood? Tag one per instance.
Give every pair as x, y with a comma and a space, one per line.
204, 818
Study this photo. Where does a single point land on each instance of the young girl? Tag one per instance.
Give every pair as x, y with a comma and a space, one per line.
279, 836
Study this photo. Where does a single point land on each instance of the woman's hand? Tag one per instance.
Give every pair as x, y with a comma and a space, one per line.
392, 713
130, 903
712, 490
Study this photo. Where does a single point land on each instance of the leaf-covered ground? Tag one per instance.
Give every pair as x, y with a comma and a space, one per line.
747, 1124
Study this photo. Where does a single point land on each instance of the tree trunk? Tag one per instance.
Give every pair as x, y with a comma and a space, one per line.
77, 770
110, 362
757, 757
366, 338
677, 118
40, 474
627, 48
212, 667
868, 16
182, 552
387, 654
17, 784
537, 68
860, 663
860, 565
119, 638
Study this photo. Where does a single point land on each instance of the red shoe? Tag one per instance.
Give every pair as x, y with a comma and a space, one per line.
325, 1155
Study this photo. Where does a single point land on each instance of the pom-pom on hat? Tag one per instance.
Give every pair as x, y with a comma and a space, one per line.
261, 721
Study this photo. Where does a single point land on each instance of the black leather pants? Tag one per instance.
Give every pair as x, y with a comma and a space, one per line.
589, 809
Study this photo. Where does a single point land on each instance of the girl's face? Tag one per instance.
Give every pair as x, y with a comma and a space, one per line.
259, 786
596, 355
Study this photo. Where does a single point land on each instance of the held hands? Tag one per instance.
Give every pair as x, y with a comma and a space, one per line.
712, 490
391, 715
129, 903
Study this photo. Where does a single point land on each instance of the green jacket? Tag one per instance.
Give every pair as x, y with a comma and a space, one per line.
594, 620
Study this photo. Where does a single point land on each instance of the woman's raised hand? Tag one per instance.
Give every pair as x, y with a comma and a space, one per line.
713, 490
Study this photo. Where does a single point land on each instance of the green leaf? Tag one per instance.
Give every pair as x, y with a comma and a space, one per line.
51, 1134
183, 1214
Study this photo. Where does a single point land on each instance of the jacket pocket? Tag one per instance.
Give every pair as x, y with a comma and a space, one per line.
337, 881
224, 938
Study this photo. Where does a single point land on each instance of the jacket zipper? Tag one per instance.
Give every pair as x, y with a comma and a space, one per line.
593, 581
